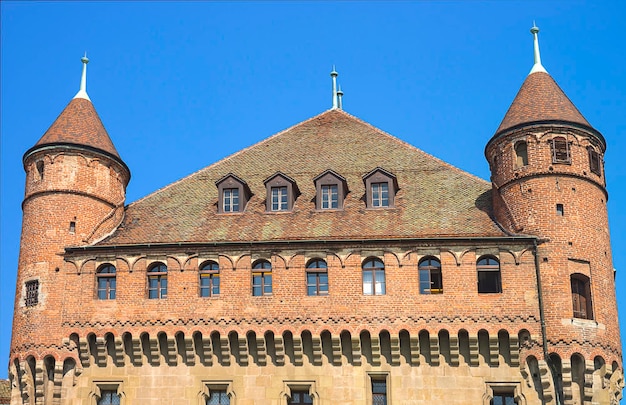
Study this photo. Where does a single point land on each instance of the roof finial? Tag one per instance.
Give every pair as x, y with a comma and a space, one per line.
537, 67
339, 98
334, 75
82, 93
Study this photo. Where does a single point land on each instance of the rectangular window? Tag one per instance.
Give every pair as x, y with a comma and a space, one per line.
109, 397
594, 161
503, 398
379, 391
209, 284
218, 397
374, 282
231, 200
32, 293
330, 197
317, 283
106, 288
300, 398
559, 210
279, 199
261, 284
560, 150
380, 194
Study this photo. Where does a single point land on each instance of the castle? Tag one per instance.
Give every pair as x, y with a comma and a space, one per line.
331, 263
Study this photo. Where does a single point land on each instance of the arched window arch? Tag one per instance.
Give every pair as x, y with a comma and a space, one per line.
489, 279
373, 277
429, 269
261, 278
106, 282
157, 281
209, 279
581, 296
521, 154
317, 277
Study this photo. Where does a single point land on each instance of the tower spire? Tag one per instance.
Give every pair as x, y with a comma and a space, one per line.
82, 93
537, 67
334, 75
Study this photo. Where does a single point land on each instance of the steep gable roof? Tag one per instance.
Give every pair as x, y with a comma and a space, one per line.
434, 199
540, 99
79, 124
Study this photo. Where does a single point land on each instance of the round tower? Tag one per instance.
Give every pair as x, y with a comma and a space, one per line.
548, 180
75, 191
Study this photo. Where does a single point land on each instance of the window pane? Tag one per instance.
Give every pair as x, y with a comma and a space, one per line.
367, 282
216, 284
424, 281
267, 289
380, 282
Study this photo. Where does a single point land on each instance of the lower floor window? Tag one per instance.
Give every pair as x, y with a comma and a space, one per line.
300, 397
218, 397
503, 398
109, 397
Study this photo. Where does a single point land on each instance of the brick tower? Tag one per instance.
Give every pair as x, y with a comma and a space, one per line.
548, 180
75, 191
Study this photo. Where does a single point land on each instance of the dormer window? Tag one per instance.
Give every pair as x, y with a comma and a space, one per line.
234, 194
380, 188
331, 189
281, 193
560, 150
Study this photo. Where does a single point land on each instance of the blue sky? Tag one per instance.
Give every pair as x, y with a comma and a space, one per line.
181, 85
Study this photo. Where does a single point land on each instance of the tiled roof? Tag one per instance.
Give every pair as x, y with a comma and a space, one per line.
540, 99
79, 124
5, 392
434, 199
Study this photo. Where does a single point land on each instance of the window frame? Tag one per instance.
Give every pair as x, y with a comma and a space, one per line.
595, 160
313, 269
373, 272
262, 268
276, 181
582, 302
209, 270
108, 277
158, 271
210, 386
378, 377
426, 266
561, 153
232, 182
489, 268
31, 293
379, 176
98, 387
330, 178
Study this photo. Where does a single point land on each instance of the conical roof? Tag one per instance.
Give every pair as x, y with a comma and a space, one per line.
79, 124
541, 100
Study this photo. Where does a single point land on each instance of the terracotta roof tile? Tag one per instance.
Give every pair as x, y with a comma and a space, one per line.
434, 198
79, 124
540, 99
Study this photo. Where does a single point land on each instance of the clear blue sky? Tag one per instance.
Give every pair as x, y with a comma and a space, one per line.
181, 85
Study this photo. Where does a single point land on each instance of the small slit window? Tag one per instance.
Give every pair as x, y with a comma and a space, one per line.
581, 296
594, 161
560, 211
32, 293
521, 154
560, 150
40, 168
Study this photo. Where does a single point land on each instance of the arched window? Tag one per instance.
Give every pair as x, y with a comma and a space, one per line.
316, 277
373, 277
560, 150
430, 276
489, 280
105, 281
209, 279
581, 296
521, 154
261, 278
157, 281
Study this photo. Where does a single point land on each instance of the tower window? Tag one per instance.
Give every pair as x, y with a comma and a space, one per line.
106, 280
560, 210
32, 293
40, 169
521, 154
581, 296
218, 397
560, 150
594, 161
209, 279
262, 278
317, 277
489, 279
157, 281
379, 391
109, 397
373, 277
72, 226
503, 398
430, 276
300, 398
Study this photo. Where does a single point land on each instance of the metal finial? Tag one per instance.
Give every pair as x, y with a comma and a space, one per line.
82, 93
334, 75
537, 67
340, 98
